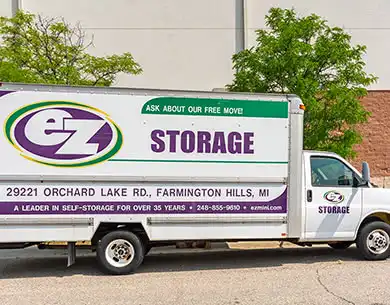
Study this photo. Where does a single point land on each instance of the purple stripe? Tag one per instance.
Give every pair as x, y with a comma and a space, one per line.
2, 92
276, 206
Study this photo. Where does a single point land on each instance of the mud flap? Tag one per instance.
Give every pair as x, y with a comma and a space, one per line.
71, 253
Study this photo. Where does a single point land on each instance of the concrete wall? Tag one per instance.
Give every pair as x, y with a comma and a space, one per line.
189, 44
179, 44
6, 7
366, 21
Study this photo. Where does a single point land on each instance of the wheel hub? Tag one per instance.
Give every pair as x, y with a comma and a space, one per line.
378, 241
120, 253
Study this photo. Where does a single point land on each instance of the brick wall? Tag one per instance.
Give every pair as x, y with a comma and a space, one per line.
375, 147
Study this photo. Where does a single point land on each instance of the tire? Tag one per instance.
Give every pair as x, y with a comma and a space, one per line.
120, 252
342, 245
373, 241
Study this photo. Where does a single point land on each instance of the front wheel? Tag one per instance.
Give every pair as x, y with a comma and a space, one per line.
374, 241
120, 252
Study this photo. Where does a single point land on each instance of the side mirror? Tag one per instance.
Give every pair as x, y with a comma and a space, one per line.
366, 172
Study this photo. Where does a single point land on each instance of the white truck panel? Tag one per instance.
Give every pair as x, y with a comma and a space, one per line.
175, 210
220, 232
141, 137
185, 165
39, 233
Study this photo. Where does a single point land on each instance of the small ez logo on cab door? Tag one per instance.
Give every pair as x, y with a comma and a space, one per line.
334, 197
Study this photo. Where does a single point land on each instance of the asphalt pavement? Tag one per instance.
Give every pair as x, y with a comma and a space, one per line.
317, 275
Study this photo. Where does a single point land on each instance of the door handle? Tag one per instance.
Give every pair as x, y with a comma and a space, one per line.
309, 195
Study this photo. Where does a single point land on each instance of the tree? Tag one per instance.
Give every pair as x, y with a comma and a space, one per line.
49, 50
307, 57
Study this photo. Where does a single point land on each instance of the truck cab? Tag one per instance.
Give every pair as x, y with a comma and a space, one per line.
341, 204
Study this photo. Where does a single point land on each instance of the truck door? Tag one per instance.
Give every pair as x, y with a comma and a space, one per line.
333, 198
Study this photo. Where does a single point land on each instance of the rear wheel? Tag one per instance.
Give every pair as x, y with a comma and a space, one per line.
342, 245
374, 241
120, 252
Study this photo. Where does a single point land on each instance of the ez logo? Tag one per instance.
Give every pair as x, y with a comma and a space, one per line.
63, 134
334, 197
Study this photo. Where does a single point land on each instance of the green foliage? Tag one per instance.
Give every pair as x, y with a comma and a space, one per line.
305, 56
47, 50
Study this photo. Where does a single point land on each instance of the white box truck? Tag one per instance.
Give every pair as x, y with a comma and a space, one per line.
130, 169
